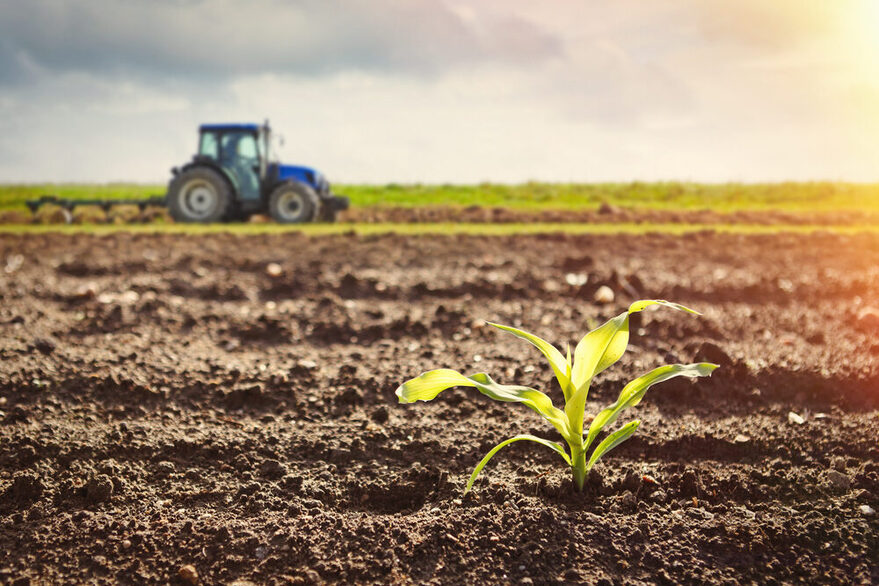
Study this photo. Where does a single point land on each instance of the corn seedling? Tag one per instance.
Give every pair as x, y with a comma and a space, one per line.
598, 349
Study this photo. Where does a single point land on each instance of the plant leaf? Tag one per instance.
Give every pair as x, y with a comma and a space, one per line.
599, 349
432, 383
560, 366
551, 445
612, 441
633, 392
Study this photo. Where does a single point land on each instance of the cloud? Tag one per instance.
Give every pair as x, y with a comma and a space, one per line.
445, 90
222, 39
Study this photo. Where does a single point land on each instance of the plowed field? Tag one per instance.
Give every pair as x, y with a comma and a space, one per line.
221, 409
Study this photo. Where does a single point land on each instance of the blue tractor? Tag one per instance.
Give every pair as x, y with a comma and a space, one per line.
231, 178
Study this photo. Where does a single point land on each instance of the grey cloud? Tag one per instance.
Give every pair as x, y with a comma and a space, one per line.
226, 38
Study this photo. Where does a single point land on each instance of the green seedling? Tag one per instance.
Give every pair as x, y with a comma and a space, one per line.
598, 349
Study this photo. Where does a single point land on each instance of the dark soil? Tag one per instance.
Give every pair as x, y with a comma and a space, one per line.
172, 409
606, 214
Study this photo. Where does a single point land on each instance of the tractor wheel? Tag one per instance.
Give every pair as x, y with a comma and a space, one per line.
293, 203
199, 195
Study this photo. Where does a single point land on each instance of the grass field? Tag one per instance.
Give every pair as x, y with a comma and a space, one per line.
822, 196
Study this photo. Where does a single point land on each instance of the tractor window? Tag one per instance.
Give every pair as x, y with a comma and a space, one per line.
239, 146
247, 147
209, 146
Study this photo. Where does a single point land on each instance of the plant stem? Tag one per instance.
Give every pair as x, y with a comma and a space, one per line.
578, 466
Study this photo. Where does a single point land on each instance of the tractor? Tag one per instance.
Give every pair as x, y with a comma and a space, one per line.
231, 178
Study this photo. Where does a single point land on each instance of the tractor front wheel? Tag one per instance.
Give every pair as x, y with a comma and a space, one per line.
199, 194
293, 203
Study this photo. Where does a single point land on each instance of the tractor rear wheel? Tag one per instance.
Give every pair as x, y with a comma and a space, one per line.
293, 203
199, 194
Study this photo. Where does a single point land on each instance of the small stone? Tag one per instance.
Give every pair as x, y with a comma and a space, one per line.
629, 501
795, 418
106, 298
165, 468
838, 464
126, 544
13, 263
576, 279
274, 270
741, 439
188, 574
308, 364
838, 480
603, 295
128, 297
659, 496
867, 510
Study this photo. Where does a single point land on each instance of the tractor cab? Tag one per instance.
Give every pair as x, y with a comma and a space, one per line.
231, 176
241, 150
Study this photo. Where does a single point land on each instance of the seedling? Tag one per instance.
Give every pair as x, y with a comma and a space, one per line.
598, 349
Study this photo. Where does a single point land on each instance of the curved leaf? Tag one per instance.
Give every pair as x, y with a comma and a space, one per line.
432, 383
560, 366
633, 392
599, 349
551, 445
612, 441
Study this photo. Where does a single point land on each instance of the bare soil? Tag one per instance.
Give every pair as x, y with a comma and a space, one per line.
606, 214
178, 409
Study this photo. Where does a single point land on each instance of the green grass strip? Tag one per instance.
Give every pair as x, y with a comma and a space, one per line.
722, 197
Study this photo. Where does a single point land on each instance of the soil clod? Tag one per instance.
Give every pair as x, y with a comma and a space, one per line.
99, 488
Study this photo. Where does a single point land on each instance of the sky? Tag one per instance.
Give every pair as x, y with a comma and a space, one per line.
446, 91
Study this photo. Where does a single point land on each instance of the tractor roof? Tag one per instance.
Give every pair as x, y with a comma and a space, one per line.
227, 127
